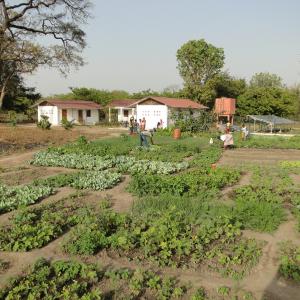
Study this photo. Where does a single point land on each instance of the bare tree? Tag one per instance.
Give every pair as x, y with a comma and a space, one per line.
24, 24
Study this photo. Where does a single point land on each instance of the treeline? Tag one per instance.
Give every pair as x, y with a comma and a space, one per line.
200, 65
264, 94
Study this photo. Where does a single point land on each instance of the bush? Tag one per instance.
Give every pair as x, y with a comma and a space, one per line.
44, 123
67, 124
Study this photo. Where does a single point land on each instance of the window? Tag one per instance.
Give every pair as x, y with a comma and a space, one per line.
125, 113
88, 113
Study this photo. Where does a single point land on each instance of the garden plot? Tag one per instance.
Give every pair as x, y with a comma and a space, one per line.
179, 241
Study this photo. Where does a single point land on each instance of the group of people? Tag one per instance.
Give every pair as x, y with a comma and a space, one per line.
227, 138
140, 128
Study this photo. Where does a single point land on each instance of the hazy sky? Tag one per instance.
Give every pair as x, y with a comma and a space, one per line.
132, 44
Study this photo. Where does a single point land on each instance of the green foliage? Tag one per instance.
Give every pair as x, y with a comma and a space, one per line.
36, 227
12, 115
269, 142
44, 123
67, 124
266, 80
290, 261
190, 183
84, 180
56, 280
165, 237
259, 205
199, 294
14, 197
198, 62
268, 101
187, 122
92, 162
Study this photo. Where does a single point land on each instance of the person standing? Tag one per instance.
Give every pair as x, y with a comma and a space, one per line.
131, 125
143, 124
244, 132
228, 139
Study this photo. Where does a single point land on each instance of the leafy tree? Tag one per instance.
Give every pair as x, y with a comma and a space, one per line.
266, 80
100, 96
266, 100
199, 62
221, 85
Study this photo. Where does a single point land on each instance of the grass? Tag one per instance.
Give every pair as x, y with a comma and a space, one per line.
268, 142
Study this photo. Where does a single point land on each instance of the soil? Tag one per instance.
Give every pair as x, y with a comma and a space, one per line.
263, 281
29, 137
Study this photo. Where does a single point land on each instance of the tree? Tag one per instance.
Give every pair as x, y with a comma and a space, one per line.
22, 24
221, 85
266, 80
19, 58
266, 101
100, 96
199, 62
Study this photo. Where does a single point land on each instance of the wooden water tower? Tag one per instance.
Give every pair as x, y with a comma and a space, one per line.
225, 109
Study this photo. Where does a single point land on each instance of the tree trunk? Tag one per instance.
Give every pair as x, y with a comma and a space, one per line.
2, 94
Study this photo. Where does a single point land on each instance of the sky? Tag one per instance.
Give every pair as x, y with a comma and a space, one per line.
132, 44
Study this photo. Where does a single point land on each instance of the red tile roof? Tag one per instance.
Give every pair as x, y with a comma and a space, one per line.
121, 102
174, 102
77, 104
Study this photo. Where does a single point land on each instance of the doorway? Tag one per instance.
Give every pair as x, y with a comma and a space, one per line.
80, 116
64, 114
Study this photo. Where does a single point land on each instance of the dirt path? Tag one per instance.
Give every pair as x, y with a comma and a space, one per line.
228, 191
239, 157
18, 159
264, 279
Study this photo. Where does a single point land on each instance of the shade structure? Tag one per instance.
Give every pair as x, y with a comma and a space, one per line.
270, 119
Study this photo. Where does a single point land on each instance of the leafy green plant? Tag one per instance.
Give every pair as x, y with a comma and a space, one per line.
44, 123
191, 183
199, 294
83, 180
290, 261
67, 124
36, 227
56, 280
14, 197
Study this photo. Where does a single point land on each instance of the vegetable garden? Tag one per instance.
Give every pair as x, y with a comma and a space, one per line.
185, 218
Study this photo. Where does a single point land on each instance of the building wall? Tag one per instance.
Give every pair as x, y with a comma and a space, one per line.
51, 112
153, 114
72, 115
55, 115
121, 117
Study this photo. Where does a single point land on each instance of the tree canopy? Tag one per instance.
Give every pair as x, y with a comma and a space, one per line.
266, 80
199, 62
265, 101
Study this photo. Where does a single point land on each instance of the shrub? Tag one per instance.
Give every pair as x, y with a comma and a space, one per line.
44, 123
67, 124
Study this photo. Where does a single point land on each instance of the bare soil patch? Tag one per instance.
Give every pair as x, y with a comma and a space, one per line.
238, 157
23, 138
19, 177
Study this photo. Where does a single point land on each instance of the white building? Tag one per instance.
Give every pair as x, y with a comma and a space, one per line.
161, 109
122, 109
79, 111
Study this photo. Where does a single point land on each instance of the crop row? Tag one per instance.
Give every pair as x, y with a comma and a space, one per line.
90, 162
166, 238
75, 280
14, 197
190, 183
35, 227
94, 180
